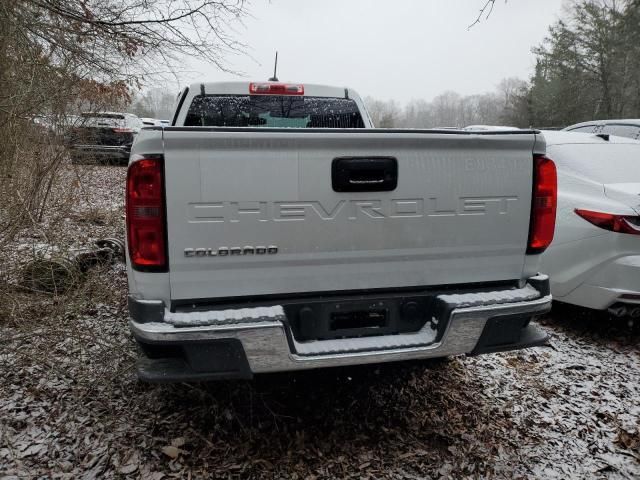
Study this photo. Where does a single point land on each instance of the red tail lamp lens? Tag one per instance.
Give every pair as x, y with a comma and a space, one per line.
543, 204
610, 221
146, 225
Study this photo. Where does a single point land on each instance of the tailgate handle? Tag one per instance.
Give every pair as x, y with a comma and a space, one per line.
364, 174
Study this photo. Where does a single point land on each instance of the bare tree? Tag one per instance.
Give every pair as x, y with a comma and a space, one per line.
127, 37
485, 11
384, 114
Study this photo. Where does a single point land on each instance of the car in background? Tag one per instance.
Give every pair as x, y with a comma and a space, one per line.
102, 137
629, 128
594, 259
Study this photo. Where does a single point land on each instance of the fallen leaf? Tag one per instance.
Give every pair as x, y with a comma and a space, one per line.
171, 451
32, 450
128, 468
131, 465
629, 440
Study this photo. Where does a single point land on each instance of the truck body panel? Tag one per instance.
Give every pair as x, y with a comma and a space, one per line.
459, 213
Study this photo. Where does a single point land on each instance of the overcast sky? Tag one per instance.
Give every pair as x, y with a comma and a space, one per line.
399, 49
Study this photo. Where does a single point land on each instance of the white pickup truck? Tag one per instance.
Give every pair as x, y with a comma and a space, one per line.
272, 228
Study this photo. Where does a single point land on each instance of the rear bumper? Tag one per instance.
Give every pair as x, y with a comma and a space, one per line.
617, 281
240, 343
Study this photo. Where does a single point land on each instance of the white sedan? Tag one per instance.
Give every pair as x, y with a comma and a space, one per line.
594, 260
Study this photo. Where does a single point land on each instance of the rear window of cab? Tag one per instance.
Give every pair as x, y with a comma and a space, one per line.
273, 111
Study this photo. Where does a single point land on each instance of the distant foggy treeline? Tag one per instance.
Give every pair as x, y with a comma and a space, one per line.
587, 68
154, 103
451, 109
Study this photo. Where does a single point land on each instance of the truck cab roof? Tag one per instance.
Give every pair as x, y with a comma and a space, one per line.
242, 88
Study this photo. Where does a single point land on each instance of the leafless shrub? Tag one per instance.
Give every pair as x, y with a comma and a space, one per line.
39, 283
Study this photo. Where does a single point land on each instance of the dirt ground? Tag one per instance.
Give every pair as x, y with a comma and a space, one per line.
71, 406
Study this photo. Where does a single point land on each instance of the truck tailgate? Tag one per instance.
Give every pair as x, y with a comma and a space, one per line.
257, 212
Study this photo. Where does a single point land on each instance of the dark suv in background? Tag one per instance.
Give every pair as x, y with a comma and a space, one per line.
104, 137
629, 128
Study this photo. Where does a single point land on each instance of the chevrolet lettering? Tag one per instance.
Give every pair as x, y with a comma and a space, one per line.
350, 209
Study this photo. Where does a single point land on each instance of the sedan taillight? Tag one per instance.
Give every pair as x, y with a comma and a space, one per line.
610, 221
543, 204
146, 225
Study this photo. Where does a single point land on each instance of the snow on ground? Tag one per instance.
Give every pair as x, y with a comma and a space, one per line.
71, 407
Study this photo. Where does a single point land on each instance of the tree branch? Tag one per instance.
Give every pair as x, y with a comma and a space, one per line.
487, 7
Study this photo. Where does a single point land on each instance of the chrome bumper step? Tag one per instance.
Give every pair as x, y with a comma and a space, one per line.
268, 346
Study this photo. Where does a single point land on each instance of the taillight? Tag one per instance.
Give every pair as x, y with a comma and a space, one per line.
123, 130
276, 89
612, 222
543, 204
146, 226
